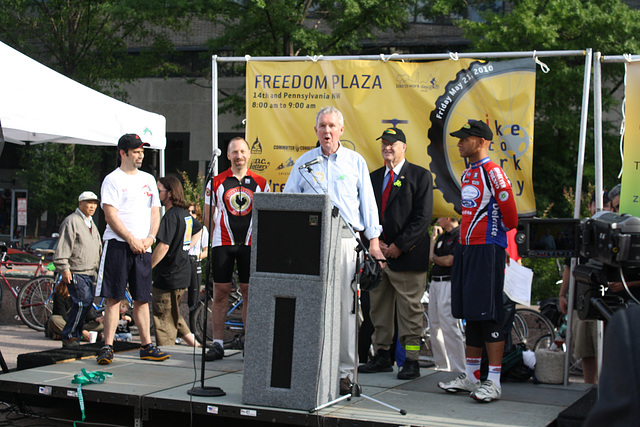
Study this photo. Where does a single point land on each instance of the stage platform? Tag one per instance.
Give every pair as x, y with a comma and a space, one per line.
155, 393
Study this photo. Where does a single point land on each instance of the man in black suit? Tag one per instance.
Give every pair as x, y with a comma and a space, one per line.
404, 195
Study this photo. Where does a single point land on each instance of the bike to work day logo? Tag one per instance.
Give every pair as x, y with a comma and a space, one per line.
502, 94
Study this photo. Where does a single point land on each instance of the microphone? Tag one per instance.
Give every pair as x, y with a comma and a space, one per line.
212, 163
310, 163
216, 153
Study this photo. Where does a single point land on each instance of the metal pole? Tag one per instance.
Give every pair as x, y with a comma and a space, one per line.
214, 108
597, 128
576, 210
162, 164
427, 56
620, 58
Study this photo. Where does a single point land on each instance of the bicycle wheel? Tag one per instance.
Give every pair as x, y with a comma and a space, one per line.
35, 302
544, 342
199, 325
233, 326
530, 327
425, 357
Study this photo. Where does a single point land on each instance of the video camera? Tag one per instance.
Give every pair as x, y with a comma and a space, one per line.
609, 245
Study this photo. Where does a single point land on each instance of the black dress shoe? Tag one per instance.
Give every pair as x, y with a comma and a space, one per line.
345, 386
70, 342
410, 370
216, 352
381, 362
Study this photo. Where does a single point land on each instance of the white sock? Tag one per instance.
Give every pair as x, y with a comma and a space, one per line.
473, 368
494, 374
219, 342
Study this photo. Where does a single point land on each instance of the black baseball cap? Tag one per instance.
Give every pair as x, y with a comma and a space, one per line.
393, 135
474, 128
131, 141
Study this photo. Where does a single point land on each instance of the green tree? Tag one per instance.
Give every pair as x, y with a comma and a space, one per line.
87, 40
608, 26
56, 174
303, 27
298, 28
193, 190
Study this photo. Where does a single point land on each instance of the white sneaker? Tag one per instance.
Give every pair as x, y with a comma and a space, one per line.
462, 383
487, 392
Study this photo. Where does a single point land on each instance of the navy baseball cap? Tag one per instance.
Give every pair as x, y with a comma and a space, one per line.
131, 141
393, 135
474, 128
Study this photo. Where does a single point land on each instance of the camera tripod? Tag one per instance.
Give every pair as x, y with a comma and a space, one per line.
356, 390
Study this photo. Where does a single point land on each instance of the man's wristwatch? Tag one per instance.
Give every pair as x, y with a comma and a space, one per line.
153, 237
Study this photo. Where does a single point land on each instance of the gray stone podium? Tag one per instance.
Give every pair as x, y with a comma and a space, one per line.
293, 319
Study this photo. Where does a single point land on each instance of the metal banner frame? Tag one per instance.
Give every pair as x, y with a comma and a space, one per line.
587, 53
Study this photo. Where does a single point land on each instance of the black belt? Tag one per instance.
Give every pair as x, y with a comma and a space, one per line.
441, 278
194, 258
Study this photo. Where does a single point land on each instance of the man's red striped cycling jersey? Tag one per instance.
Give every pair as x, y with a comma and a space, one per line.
234, 200
488, 205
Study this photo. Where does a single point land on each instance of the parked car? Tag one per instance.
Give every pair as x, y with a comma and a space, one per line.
17, 255
47, 244
19, 269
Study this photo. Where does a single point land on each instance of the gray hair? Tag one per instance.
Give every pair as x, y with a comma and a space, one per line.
615, 191
330, 110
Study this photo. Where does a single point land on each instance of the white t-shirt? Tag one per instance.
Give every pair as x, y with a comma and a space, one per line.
133, 196
202, 243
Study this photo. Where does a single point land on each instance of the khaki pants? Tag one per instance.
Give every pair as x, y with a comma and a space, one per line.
401, 292
169, 324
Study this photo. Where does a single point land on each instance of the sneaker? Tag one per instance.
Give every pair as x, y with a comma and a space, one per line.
410, 370
153, 353
462, 383
216, 352
379, 363
487, 392
70, 342
105, 356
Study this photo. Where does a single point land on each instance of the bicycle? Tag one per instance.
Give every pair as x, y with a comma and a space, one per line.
234, 326
34, 298
550, 308
35, 301
530, 328
425, 357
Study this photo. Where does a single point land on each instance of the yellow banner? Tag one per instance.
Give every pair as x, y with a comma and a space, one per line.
426, 100
630, 195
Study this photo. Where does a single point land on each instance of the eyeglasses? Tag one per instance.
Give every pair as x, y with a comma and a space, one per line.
388, 144
192, 211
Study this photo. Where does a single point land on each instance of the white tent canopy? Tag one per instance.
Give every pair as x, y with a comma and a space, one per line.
38, 104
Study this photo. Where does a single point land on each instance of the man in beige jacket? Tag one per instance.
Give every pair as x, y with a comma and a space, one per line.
77, 258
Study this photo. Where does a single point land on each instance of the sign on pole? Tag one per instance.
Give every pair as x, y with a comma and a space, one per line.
22, 211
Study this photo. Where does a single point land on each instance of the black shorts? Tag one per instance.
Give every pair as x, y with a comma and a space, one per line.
224, 258
119, 266
477, 280
478, 333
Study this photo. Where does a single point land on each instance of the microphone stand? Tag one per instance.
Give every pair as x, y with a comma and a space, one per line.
204, 390
356, 389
